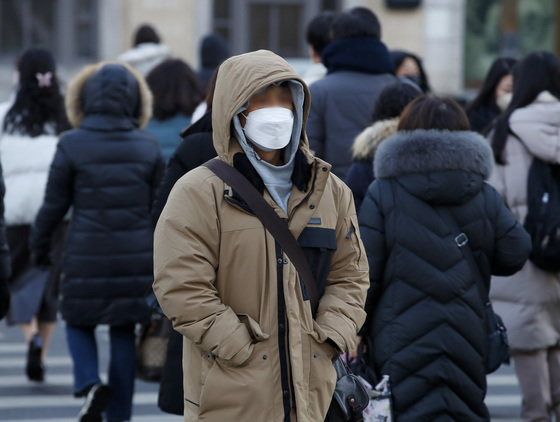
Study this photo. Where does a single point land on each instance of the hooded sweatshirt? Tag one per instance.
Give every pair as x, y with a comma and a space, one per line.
277, 179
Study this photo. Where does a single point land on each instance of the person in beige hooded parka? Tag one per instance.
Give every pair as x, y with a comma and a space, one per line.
529, 301
252, 350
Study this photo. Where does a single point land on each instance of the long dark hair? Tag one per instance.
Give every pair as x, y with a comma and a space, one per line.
487, 95
175, 87
38, 100
537, 72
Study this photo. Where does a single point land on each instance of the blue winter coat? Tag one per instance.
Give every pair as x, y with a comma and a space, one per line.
168, 132
107, 170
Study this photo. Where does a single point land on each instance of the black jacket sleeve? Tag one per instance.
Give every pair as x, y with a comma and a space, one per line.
372, 230
5, 263
512, 243
58, 198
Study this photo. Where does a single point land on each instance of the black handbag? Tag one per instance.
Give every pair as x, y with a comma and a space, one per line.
350, 397
497, 342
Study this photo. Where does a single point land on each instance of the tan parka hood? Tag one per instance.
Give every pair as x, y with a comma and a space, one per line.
75, 100
238, 79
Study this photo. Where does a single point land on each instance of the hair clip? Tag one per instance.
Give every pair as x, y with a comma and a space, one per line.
44, 79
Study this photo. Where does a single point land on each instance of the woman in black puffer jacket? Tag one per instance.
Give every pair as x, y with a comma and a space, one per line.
425, 325
107, 170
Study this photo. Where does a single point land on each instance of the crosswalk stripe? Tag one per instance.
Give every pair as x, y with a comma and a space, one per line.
13, 348
45, 401
19, 362
501, 380
503, 400
140, 418
50, 380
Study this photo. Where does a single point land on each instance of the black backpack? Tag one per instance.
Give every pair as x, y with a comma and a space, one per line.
543, 214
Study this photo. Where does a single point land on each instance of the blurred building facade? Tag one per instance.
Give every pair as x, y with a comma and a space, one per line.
457, 39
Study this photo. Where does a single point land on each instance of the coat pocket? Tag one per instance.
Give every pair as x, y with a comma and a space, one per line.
318, 244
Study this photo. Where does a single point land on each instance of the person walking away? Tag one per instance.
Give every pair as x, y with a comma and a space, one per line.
147, 52
195, 149
388, 107
212, 51
358, 68
494, 96
318, 37
5, 264
529, 301
176, 92
426, 325
252, 349
107, 169
28, 140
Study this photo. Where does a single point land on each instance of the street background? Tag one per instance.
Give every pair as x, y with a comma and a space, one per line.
52, 401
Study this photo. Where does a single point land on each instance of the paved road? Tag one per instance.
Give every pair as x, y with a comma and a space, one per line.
52, 401
23, 401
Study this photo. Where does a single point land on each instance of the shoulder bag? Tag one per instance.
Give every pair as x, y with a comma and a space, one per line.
350, 397
497, 351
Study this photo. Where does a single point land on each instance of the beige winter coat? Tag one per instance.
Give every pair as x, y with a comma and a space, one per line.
528, 301
218, 278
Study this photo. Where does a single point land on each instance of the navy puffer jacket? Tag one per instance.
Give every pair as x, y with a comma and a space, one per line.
425, 326
107, 170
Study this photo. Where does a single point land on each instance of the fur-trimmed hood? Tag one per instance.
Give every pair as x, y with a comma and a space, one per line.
437, 165
369, 139
109, 89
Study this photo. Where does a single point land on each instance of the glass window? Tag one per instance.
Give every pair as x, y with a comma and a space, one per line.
289, 30
259, 26
25, 23
512, 28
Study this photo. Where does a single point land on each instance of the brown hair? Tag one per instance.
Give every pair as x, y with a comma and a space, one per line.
430, 112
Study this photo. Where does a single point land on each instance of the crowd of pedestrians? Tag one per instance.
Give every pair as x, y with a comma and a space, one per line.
150, 178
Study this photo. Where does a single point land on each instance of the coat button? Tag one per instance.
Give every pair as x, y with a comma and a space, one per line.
208, 356
279, 260
311, 206
314, 355
265, 357
285, 261
286, 393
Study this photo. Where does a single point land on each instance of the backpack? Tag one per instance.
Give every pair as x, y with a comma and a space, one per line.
543, 214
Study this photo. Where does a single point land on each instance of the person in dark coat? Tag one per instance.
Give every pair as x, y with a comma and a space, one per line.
213, 50
107, 170
5, 264
177, 92
425, 327
358, 66
494, 95
409, 66
388, 107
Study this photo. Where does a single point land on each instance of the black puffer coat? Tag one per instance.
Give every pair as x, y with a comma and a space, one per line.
107, 171
425, 325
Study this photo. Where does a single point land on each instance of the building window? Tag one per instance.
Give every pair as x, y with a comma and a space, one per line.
277, 25
513, 28
66, 27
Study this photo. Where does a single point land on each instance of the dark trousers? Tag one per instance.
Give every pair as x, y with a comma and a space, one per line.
122, 366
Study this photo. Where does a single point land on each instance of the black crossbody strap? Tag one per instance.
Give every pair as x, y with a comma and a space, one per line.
271, 221
461, 240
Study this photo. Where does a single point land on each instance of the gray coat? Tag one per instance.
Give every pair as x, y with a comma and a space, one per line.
341, 107
529, 301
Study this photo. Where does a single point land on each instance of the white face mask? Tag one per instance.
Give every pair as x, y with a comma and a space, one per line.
269, 128
503, 101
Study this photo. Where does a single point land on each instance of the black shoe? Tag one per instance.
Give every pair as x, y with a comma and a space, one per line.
96, 402
35, 369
